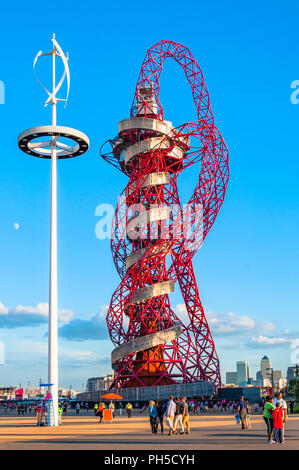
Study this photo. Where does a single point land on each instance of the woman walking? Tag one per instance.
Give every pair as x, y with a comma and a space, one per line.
101, 412
153, 417
248, 408
160, 415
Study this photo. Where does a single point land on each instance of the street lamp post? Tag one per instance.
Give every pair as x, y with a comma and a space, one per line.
53, 149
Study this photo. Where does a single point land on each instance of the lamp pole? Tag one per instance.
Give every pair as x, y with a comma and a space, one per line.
53, 313
53, 149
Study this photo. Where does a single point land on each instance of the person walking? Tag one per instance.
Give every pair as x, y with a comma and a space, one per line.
77, 408
243, 413
101, 412
59, 413
170, 412
291, 406
152, 410
160, 415
112, 408
186, 414
129, 409
178, 417
38, 414
268, 418
277, 415
248, 414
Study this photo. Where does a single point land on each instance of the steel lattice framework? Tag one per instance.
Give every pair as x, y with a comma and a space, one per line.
154, 237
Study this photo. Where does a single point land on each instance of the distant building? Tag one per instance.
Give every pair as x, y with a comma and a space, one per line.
277, 374
231, 378
259, 376
267, 377
7, 393
242, 372
291, 373
256, 383
204, 388
63, 392
94, 384
265, 367
253, 394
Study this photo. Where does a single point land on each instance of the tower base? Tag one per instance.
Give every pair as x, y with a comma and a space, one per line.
160, 392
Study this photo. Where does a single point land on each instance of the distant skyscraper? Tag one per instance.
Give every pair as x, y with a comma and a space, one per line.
94, 384
265, 367
277, 374
291, 372
259, 375
242, 372
231, 378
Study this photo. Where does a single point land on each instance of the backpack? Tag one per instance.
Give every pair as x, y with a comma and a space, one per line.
179, 408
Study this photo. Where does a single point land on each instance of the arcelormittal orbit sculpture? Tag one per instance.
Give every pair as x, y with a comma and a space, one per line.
154, 237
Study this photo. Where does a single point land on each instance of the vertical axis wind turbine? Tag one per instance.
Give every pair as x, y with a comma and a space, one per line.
74, 143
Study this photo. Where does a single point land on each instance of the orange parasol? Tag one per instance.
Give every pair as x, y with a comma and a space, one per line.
112, 396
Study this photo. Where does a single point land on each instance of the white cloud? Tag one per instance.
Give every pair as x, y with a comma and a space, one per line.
103, 311
16, 226
228, 323
3, 309
266, 341
180, 309
41, 308
268, 326
65, 315
22, 316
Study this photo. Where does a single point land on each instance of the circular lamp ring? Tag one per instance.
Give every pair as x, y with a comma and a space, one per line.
43, 149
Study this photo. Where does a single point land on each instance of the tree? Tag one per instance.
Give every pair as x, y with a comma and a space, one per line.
293, 385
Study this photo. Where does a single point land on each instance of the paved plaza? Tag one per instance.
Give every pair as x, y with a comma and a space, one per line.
219, 432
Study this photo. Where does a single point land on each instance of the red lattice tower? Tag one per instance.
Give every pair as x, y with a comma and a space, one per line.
154, 238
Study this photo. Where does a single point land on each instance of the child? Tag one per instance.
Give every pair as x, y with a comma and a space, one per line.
237, 418
59, 413
278, 423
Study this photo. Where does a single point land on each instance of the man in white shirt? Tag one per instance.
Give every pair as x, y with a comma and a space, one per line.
170, 412
284, 407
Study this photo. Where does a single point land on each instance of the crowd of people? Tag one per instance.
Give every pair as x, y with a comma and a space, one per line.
175, 413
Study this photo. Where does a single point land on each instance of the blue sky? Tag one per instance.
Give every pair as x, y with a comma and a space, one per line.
247, 269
